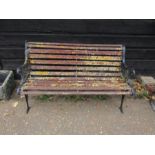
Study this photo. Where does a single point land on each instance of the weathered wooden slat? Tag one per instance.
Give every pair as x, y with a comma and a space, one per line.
73, 73
63, 92
60, 81
73, 48
72, 89
73, 62
78, 68
73, 44
76, 86
75, 57
76, 52
53, 79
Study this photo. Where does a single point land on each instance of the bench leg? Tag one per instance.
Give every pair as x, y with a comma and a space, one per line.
152, 103
122, 101
150, 100
27, 103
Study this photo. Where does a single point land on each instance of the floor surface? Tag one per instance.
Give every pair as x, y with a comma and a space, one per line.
91, 116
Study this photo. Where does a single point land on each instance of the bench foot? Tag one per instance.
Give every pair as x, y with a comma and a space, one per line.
27, 103
121, 106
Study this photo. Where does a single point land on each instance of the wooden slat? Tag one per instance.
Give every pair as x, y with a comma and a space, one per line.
76, 57
78, 85
73, 88
75, 52
78, 68
108, 47
70, 80
73, 44
73, 73
31, 92
110, 83
73, 62
53, 79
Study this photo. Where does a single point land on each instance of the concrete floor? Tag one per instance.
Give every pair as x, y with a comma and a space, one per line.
92, 116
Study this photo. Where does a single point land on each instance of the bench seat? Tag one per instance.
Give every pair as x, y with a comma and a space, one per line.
115, 86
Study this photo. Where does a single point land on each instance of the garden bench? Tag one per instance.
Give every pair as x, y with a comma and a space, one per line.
74, 69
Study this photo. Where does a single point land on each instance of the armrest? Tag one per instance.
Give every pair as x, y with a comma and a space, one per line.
128, 73
23, 71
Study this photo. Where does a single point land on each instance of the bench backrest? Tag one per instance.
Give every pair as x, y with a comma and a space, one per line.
74, 60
